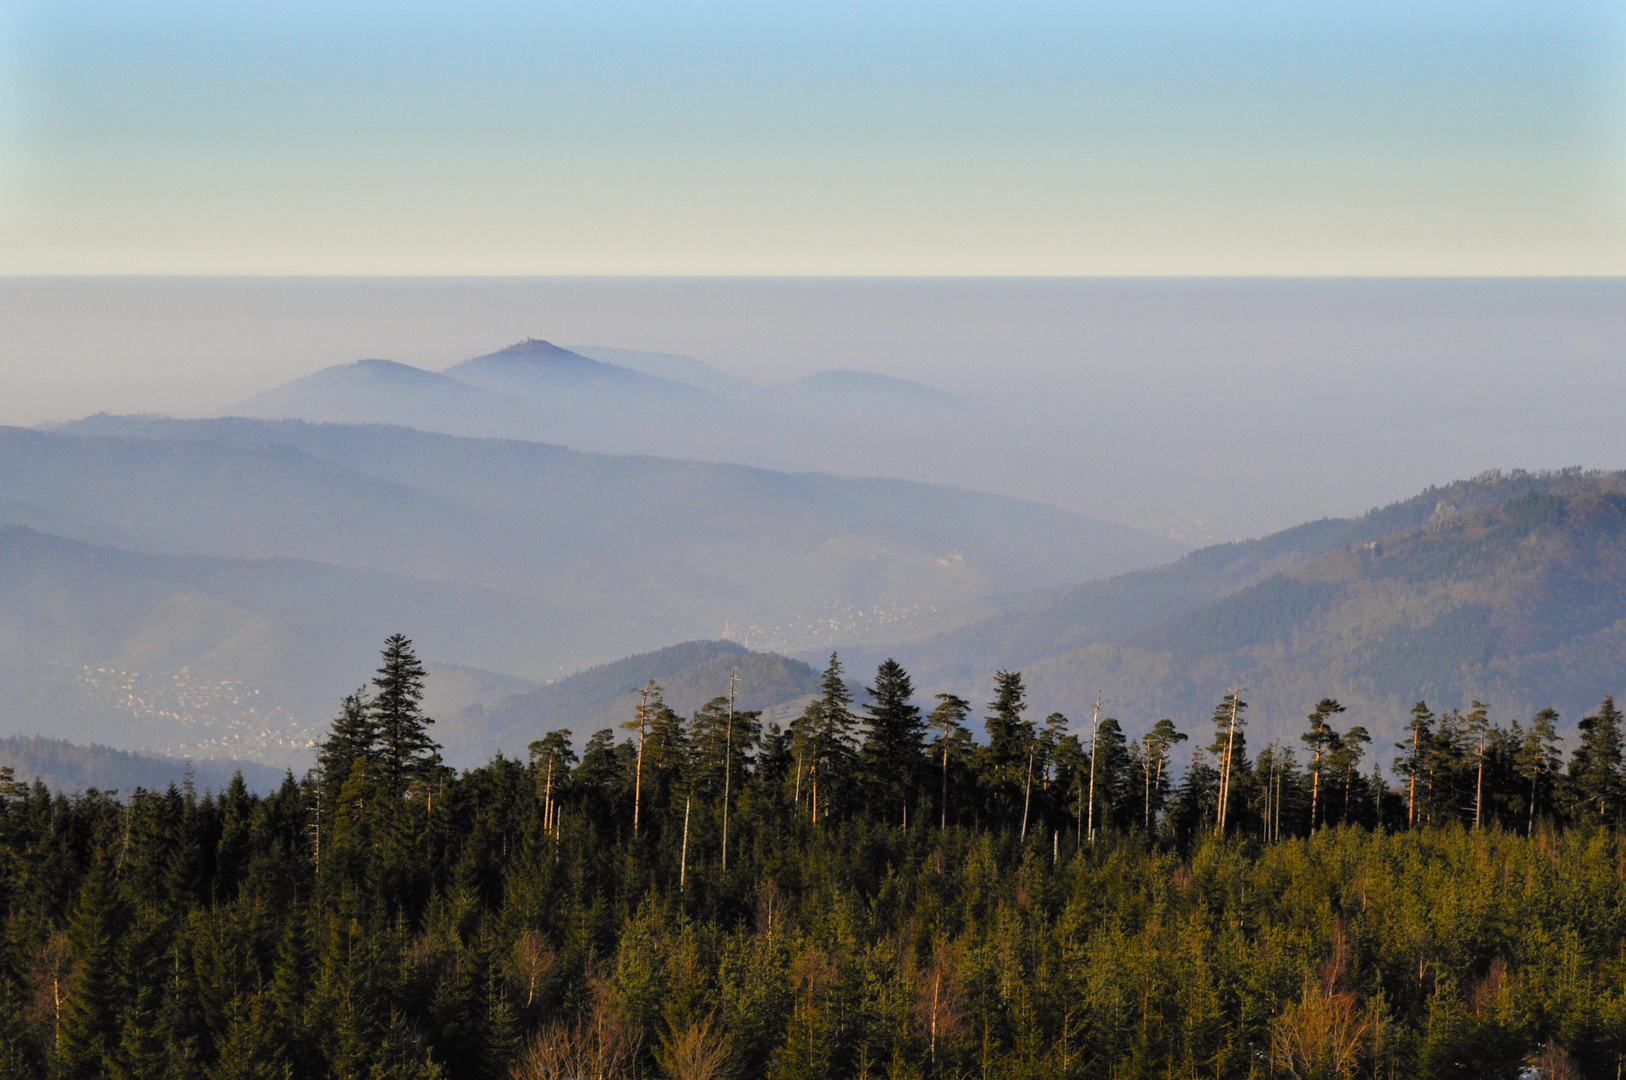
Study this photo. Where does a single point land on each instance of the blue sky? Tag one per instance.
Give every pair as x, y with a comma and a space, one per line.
842, 138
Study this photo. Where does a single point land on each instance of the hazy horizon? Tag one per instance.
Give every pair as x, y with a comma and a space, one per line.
1213, 408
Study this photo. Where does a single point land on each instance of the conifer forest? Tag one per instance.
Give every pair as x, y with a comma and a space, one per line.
870, 890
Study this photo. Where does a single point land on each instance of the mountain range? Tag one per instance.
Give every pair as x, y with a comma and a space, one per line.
841, 421
213, 586
1510, 588
210, 587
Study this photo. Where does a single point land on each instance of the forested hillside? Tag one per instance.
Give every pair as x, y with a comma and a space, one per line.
690, 674
64, 766
859, 893
1504, 588
628, 553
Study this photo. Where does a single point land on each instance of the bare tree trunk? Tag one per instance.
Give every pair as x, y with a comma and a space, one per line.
728, 760
1095, 731
1411, 799
638, 777
1225, 772
1479, 782
1027, 795
1146, 770
683, 859
943, 825
1530, 825
1315, 791
547, 797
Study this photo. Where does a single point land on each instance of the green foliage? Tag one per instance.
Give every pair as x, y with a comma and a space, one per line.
509, 922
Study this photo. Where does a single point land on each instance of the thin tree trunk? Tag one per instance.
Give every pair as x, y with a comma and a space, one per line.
1411, 799
728, 760
1315, 791
547, 797
1479, 783
1095, 731
683, 859
943, 825
1027, 795
1530, 825
638, 778
1225, 773
1146, 770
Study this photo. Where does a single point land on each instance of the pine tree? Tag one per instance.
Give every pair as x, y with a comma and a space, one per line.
1538, 762
1346, 759
1478, 725
1229, 749
1412, 764
1155, 747
949, 718
405, 747
1322, 740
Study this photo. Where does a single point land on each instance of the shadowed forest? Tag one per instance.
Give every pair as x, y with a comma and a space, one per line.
868, 891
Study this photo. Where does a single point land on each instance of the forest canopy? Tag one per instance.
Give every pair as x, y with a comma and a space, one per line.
867, 891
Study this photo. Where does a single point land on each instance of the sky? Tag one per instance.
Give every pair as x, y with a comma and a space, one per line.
1432, 137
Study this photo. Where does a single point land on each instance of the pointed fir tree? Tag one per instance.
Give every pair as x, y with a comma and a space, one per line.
404, 745
353, 738
890, 759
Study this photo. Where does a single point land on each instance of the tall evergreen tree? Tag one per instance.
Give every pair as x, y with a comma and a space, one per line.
352, 738
90, 1016
1322, 739
1155, 747
1230, 750
890, 759
949, 718
1412, 764
404, 745
1538, 764
1010, 738
824, 737
1594, 780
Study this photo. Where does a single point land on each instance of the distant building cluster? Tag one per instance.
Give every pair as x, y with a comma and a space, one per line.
185, 716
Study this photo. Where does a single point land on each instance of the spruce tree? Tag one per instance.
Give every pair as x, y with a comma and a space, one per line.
353, 738
405, 747
90, 1013
1594, 781
825, 739
890, 759
1009, 739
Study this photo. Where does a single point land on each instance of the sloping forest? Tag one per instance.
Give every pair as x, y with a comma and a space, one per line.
867, 892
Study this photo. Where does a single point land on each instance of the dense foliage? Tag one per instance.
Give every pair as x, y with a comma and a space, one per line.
890, 898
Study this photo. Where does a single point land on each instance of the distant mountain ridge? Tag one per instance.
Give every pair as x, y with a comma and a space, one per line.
69, 767
151, 557
1509, 587
689, 674
842, 421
